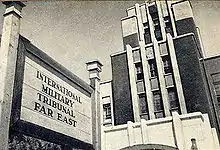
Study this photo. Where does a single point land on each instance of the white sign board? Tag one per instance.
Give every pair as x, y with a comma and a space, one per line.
52, 103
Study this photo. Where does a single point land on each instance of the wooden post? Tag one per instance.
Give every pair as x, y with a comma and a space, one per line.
8, 58
94, 68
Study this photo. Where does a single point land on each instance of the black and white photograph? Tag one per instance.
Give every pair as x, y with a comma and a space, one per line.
109, 75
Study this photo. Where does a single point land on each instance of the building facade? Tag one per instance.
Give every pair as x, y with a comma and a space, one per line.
158, 74
180, 132
211, 67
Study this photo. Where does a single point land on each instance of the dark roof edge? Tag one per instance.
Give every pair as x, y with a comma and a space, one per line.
55, 65
212, 57
104, 82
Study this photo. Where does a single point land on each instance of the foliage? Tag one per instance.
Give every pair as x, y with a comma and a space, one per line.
22, 142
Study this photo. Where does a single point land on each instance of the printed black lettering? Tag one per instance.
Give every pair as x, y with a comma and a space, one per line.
36, 106
59, 117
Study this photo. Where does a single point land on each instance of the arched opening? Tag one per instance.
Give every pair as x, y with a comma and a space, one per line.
150, 147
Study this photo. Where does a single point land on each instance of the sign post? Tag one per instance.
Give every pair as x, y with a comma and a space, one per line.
94, 68
8, 58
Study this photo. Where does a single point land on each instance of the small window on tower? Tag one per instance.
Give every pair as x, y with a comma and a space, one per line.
136, 56
107, 111
158, 106
167, 65
157, 101
143, 104
150, 52
174, 104
139, 71
218, 99
153, 69
147, 36
155, 18
216, 82
143, 107
158, 33
168, 25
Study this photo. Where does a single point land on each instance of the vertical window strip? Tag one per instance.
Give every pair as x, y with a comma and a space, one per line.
153, 68
143, 107
155, 18
158, 105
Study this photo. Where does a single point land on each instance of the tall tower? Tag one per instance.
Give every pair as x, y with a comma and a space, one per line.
159, 71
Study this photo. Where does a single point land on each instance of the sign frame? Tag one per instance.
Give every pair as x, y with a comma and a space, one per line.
26, 49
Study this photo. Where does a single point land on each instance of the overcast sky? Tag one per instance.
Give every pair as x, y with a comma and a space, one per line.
74, 32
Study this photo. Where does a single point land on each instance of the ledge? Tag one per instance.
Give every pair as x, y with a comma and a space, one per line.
55, 65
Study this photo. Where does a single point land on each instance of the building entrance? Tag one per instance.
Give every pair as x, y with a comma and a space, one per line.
150, 147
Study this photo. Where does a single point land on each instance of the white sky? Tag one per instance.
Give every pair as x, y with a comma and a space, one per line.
74, 32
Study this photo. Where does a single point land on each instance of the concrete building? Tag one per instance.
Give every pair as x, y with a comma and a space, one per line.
211, 67
159, 74
179, 132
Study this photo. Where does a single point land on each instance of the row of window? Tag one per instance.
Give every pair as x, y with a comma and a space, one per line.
157, 101
150, 52
157, 27
153, 68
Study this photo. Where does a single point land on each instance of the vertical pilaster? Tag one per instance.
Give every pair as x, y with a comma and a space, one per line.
94, 68
140, 24
162, 83
145, 138
171, 17
134, 96
176, 74
147, 81
145, 65
130, 131
215, 138
159, 66
8, 58
162, 26
151, 25
112, 108
178, 132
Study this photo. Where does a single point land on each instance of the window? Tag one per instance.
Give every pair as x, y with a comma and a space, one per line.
217, 88
163, 48
167, 65
218, 99
157, 101
143, 104
147, 36
139, 71
154, 83
153, 69
150, 52
155, 18
158, 33
172, 96
136, 56
169, 80
168, 25
140, 86
107, 111
216, 83
158, 106
154, 14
